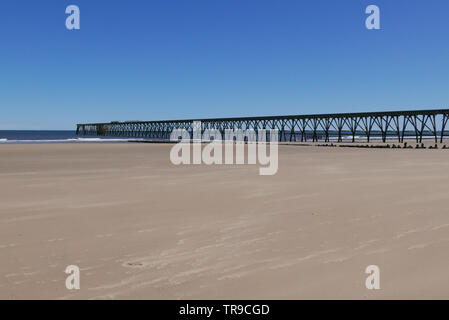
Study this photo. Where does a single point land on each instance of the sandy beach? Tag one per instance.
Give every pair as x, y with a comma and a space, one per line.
140, 227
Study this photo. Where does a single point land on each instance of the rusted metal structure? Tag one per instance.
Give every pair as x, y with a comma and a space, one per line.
338, 127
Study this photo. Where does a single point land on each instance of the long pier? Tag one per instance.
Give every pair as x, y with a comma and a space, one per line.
396, 125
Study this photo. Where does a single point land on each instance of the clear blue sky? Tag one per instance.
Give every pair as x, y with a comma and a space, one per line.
172, 59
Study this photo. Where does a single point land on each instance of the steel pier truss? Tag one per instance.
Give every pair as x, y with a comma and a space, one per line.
366, 126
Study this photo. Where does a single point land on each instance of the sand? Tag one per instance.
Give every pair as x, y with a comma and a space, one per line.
139, 227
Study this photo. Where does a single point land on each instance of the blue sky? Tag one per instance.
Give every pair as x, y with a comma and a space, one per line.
170, 59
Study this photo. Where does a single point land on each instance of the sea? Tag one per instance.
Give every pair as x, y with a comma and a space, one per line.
52, 136
69, 136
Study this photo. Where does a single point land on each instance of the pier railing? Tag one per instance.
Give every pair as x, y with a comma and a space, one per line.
367, 126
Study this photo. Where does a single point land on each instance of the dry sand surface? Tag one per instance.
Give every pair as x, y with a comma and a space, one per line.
140, 227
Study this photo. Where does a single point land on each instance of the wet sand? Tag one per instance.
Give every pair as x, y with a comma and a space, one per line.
140, 227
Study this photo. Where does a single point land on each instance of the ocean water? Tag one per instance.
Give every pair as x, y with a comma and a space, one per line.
69, 136
50, 136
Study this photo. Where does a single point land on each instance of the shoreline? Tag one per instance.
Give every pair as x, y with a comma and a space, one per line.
389, 144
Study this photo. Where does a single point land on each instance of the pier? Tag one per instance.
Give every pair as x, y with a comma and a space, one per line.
339, 127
